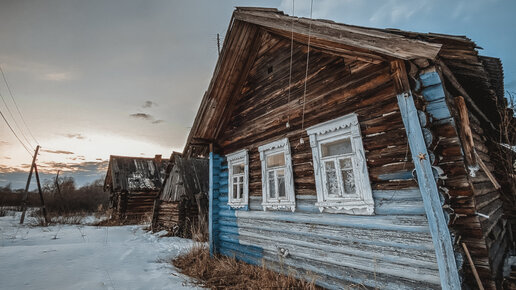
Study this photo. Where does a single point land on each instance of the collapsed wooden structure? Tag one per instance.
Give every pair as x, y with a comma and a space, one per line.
133, 183
365, 157
182, 201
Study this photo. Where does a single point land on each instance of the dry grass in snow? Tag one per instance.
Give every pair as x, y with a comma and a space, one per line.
222, 272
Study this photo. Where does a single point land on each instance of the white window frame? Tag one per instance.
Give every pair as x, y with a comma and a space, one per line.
289, 202
236, 158
347, 126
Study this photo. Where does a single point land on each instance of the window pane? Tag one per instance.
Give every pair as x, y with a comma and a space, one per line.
272, 187
276, 160
338, 147
235, 190
332, 183
347, 176
345, 163
238, 168
281, 183
240, 190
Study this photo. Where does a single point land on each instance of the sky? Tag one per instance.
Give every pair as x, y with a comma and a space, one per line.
125, 77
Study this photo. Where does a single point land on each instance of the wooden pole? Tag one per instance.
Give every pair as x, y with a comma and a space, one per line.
41, 195
57, 185
218, 43
473, 269
26, 192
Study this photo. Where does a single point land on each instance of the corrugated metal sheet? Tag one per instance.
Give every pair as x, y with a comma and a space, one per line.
391, 250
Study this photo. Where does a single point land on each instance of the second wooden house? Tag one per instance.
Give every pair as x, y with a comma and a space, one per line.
133, 183
181, 207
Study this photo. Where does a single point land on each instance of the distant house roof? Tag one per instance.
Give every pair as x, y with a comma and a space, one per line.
135, 173
481, 77
185, 178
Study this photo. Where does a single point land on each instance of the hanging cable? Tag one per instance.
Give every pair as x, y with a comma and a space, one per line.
301, 141
290, 69
15, 135
16, 105
16, 123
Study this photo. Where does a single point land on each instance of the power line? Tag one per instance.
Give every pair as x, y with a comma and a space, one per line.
15, 122
9, 125
16, 105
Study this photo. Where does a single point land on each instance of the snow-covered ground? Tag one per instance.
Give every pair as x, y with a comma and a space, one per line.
87, 257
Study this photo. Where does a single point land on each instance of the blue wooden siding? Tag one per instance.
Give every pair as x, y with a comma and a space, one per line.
390, 250
433, 92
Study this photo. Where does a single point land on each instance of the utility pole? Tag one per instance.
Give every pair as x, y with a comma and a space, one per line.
218, 43
57, 185
26, 193
41, 195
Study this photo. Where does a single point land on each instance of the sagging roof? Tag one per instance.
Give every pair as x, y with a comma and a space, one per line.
375, 45
135, 173
185, 178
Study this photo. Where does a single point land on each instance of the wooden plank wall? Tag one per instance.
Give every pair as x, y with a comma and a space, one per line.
392, 249
135, 206
336, 86
489, 203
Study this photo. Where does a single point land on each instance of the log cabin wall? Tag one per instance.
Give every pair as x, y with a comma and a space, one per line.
136, 206
465, 195
495, 230
392, 249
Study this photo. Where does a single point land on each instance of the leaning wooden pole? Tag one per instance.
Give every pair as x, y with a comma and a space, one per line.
57, 185
473, 268
41, 195
26, 192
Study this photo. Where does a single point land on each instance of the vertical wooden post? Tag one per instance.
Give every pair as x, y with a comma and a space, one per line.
26, 192
41, 195
465, 132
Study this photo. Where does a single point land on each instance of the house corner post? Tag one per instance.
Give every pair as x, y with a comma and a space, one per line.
214, 169
439, 230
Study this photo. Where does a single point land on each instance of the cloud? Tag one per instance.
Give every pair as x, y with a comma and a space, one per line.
146, 117
83, 173
75, 136
57, 151
149, 104
142, 116
58, 77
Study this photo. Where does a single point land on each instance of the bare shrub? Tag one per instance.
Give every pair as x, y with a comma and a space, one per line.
64, 202
222, 272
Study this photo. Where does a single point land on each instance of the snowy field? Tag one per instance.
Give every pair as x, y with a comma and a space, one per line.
87, 257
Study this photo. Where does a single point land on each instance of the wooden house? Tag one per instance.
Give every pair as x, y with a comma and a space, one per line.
183, 199
356, 155
133, 183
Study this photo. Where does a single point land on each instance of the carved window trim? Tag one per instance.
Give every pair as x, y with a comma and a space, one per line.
347, 126
236, 158
289, 202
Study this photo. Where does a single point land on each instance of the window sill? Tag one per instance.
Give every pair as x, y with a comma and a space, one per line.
282, 205
356, 207
238, 206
